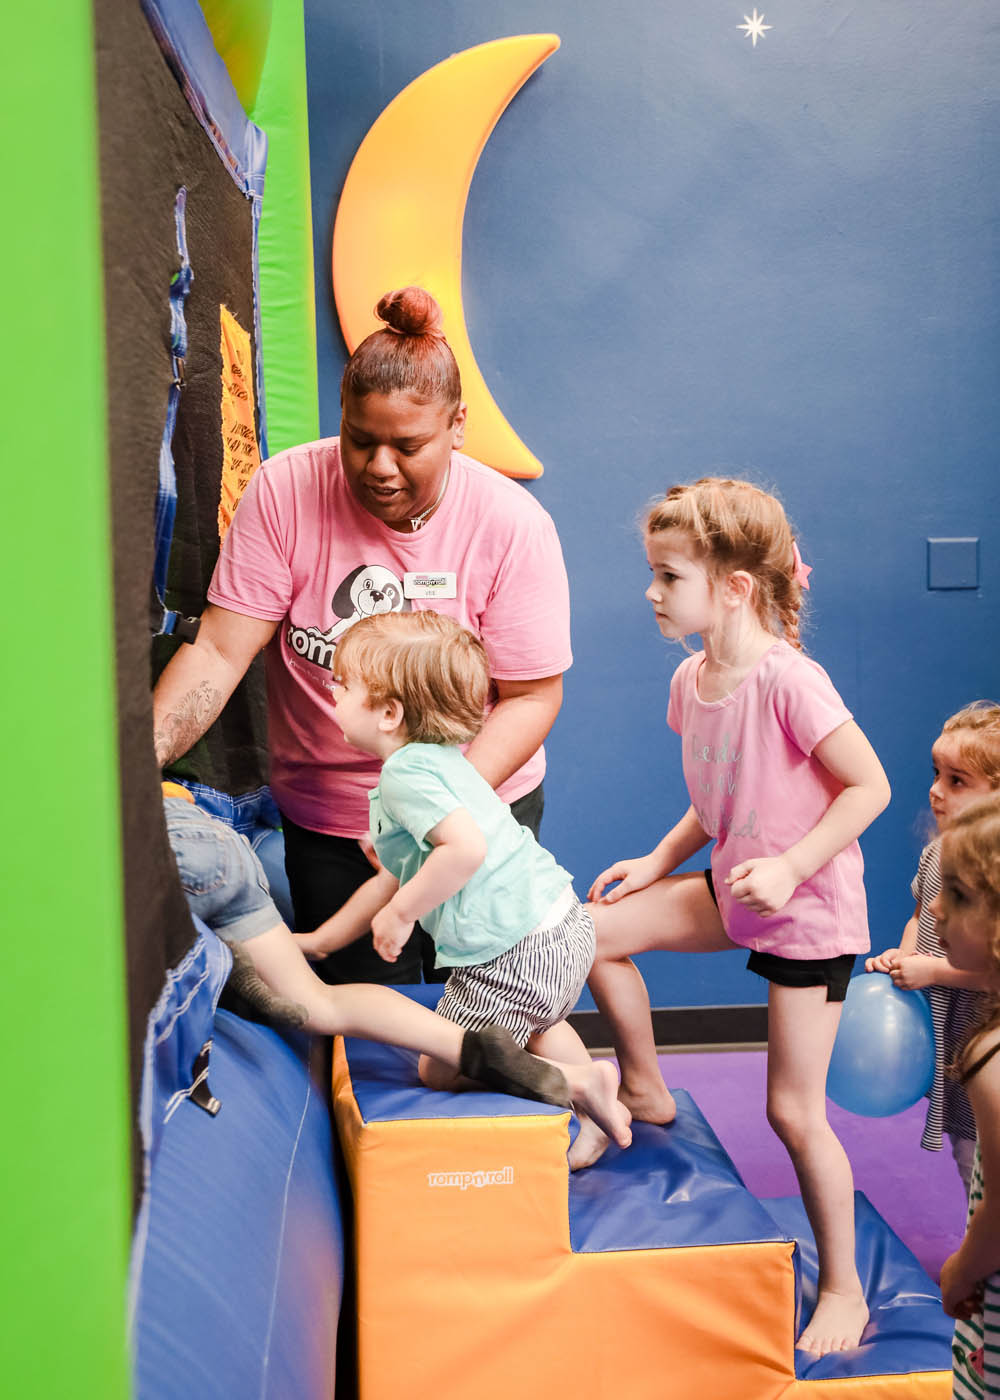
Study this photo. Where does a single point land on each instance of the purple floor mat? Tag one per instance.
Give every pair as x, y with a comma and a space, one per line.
918, 1193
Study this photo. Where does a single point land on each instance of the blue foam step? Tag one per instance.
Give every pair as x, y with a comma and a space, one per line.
908, 1330
675, 1186
239, 1271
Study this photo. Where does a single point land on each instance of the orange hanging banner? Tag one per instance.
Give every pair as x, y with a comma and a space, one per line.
240, 453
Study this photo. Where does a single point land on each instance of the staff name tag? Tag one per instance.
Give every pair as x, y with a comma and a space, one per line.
431, 585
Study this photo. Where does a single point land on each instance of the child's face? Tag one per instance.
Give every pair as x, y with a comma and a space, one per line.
681, 591
955, 785
355, 715
965, 922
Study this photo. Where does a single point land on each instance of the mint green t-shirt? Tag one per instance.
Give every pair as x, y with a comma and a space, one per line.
512, 890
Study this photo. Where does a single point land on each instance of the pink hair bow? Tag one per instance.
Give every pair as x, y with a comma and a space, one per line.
802, 570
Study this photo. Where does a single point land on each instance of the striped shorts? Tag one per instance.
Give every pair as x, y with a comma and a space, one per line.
534, 984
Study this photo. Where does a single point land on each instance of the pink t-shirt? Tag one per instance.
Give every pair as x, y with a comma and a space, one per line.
756, 789
303, 552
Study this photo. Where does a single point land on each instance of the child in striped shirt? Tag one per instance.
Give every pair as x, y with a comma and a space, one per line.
966, 760
410, 687
968, 915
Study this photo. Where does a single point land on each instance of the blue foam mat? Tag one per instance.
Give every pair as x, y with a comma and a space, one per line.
908, 1330
674, 1187
386, 1087
239, 1275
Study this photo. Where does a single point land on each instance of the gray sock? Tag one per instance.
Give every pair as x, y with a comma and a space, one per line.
493, 1057
245, 980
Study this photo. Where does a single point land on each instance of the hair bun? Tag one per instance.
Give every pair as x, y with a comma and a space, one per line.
410, 311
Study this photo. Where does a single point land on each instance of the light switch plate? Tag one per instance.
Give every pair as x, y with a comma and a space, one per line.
953, 563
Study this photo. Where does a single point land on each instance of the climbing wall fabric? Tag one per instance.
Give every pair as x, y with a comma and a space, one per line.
153, 142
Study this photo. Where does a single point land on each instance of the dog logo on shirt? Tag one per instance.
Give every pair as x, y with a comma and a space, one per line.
364, 592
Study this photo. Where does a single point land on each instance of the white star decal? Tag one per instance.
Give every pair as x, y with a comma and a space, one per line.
754, 27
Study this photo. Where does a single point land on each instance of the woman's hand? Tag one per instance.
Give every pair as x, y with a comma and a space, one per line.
763, 883
634, 875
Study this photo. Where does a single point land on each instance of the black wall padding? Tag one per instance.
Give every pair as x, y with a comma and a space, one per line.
150, 145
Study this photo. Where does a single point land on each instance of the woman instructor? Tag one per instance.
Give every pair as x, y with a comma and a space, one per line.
389, 516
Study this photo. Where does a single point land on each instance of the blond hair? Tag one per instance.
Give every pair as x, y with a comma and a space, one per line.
437, 669
970, 849
735, 525
978, 728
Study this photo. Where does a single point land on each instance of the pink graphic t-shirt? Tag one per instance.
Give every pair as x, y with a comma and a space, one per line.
303, 552
756, 789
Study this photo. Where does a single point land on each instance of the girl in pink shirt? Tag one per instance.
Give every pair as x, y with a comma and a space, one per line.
784, 782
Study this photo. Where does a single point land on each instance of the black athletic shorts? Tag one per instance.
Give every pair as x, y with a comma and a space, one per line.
834, 973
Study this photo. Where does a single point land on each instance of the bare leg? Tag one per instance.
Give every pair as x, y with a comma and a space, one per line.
593, 1089
620, 993
275, 977
361, 1009
677, 914
802, 1026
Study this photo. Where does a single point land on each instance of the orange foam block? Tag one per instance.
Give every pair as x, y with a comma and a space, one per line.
482, 1276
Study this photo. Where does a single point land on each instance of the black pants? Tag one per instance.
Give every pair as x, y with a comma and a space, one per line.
324, 871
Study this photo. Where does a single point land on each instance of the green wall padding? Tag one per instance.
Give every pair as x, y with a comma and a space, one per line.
287, 298
240, 29
62, 1007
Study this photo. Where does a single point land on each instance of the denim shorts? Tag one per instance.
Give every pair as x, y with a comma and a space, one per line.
219, 873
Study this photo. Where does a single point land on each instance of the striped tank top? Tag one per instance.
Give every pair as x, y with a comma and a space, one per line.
955, 1012
975, 1347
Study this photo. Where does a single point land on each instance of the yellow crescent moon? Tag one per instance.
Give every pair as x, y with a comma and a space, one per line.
399, 220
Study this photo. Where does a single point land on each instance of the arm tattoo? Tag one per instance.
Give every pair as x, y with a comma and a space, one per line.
184, 726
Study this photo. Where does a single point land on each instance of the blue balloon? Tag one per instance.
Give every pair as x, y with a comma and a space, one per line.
883, 1057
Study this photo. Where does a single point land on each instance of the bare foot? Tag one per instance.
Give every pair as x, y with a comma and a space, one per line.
588, 1145
595, 1091
836, 1324
649, 1104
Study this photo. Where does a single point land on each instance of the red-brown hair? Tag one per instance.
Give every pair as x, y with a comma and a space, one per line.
409, 356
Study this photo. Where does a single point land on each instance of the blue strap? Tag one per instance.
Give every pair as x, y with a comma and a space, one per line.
166, 496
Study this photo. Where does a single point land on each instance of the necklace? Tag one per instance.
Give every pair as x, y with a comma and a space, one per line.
417, 520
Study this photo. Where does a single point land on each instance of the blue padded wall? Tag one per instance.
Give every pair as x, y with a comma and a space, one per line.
238, 1264
682, 252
